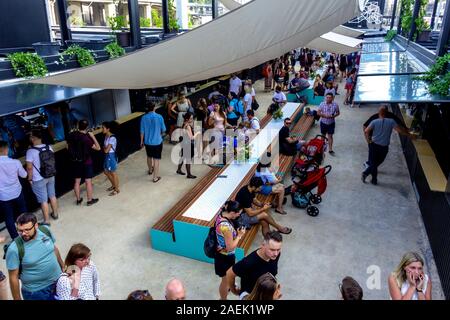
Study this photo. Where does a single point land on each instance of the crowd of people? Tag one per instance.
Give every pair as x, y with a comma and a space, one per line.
36, 268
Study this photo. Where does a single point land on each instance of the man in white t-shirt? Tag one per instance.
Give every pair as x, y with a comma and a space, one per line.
279, 97
43, 188
248, 99
254, 121
235, 85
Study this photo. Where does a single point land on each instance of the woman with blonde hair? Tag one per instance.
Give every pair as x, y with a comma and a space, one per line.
408, 281
80, 278
266, 288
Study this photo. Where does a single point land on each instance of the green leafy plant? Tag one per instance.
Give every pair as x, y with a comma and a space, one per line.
27, 65
145, 22
312, 75
157, 19
117, 23
114, 50
390, 35
84, 56
407, 17
278, 114
421, 24
173, 24
438, 77
407, 12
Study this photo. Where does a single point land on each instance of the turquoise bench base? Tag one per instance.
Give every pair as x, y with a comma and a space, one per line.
188, 242
309, 93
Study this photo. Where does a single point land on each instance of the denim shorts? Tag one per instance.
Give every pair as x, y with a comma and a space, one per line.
246, 221
266, 189
44, 189
110, 163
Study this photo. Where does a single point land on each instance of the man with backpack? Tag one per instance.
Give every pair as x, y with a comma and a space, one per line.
34, 259
41, 168
12, 201
80, 144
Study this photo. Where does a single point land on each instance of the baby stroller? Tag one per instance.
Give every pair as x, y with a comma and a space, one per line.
304, 183
312, 154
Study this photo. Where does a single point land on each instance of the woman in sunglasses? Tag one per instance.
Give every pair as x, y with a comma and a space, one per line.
80, 278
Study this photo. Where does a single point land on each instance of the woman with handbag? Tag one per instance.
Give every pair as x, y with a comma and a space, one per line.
228, 238
80, 278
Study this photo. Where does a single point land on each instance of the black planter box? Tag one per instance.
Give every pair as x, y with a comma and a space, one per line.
46, 48
123, 39
90, 44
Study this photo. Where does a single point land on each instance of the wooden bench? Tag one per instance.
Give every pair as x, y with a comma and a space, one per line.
166, 221
300, 129
285, 164
180, 235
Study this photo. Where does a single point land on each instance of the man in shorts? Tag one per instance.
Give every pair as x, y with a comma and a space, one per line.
328, 111
254, 211
43, 188
81, 143
152, 129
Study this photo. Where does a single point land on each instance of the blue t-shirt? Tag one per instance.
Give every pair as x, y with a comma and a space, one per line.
237, 105
152, 126
382, 130
40, 268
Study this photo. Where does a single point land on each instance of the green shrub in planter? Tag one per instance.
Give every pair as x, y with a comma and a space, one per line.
114, 50
84, 56
390, 35
438, 77
27, 65
278, 114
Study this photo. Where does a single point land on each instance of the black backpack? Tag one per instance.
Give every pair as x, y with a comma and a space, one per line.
47, 160
76, 147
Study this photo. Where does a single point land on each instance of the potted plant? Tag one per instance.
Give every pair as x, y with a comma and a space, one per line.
278, 115
118, 25
84, 57
174, 27
114, 50
27, 65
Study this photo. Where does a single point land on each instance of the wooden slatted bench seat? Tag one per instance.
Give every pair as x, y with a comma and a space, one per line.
166, 221
285, 164
300, 129
178, 234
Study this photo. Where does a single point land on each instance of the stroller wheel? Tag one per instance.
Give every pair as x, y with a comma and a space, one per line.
312, 211
316, 199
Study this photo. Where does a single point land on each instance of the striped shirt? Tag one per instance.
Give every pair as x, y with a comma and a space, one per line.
89, 287
328, 110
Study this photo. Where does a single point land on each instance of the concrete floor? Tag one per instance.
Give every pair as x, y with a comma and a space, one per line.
359, 226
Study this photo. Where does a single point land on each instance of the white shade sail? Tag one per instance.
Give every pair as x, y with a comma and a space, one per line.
230, 4
335, 43
256, 32
349, 32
